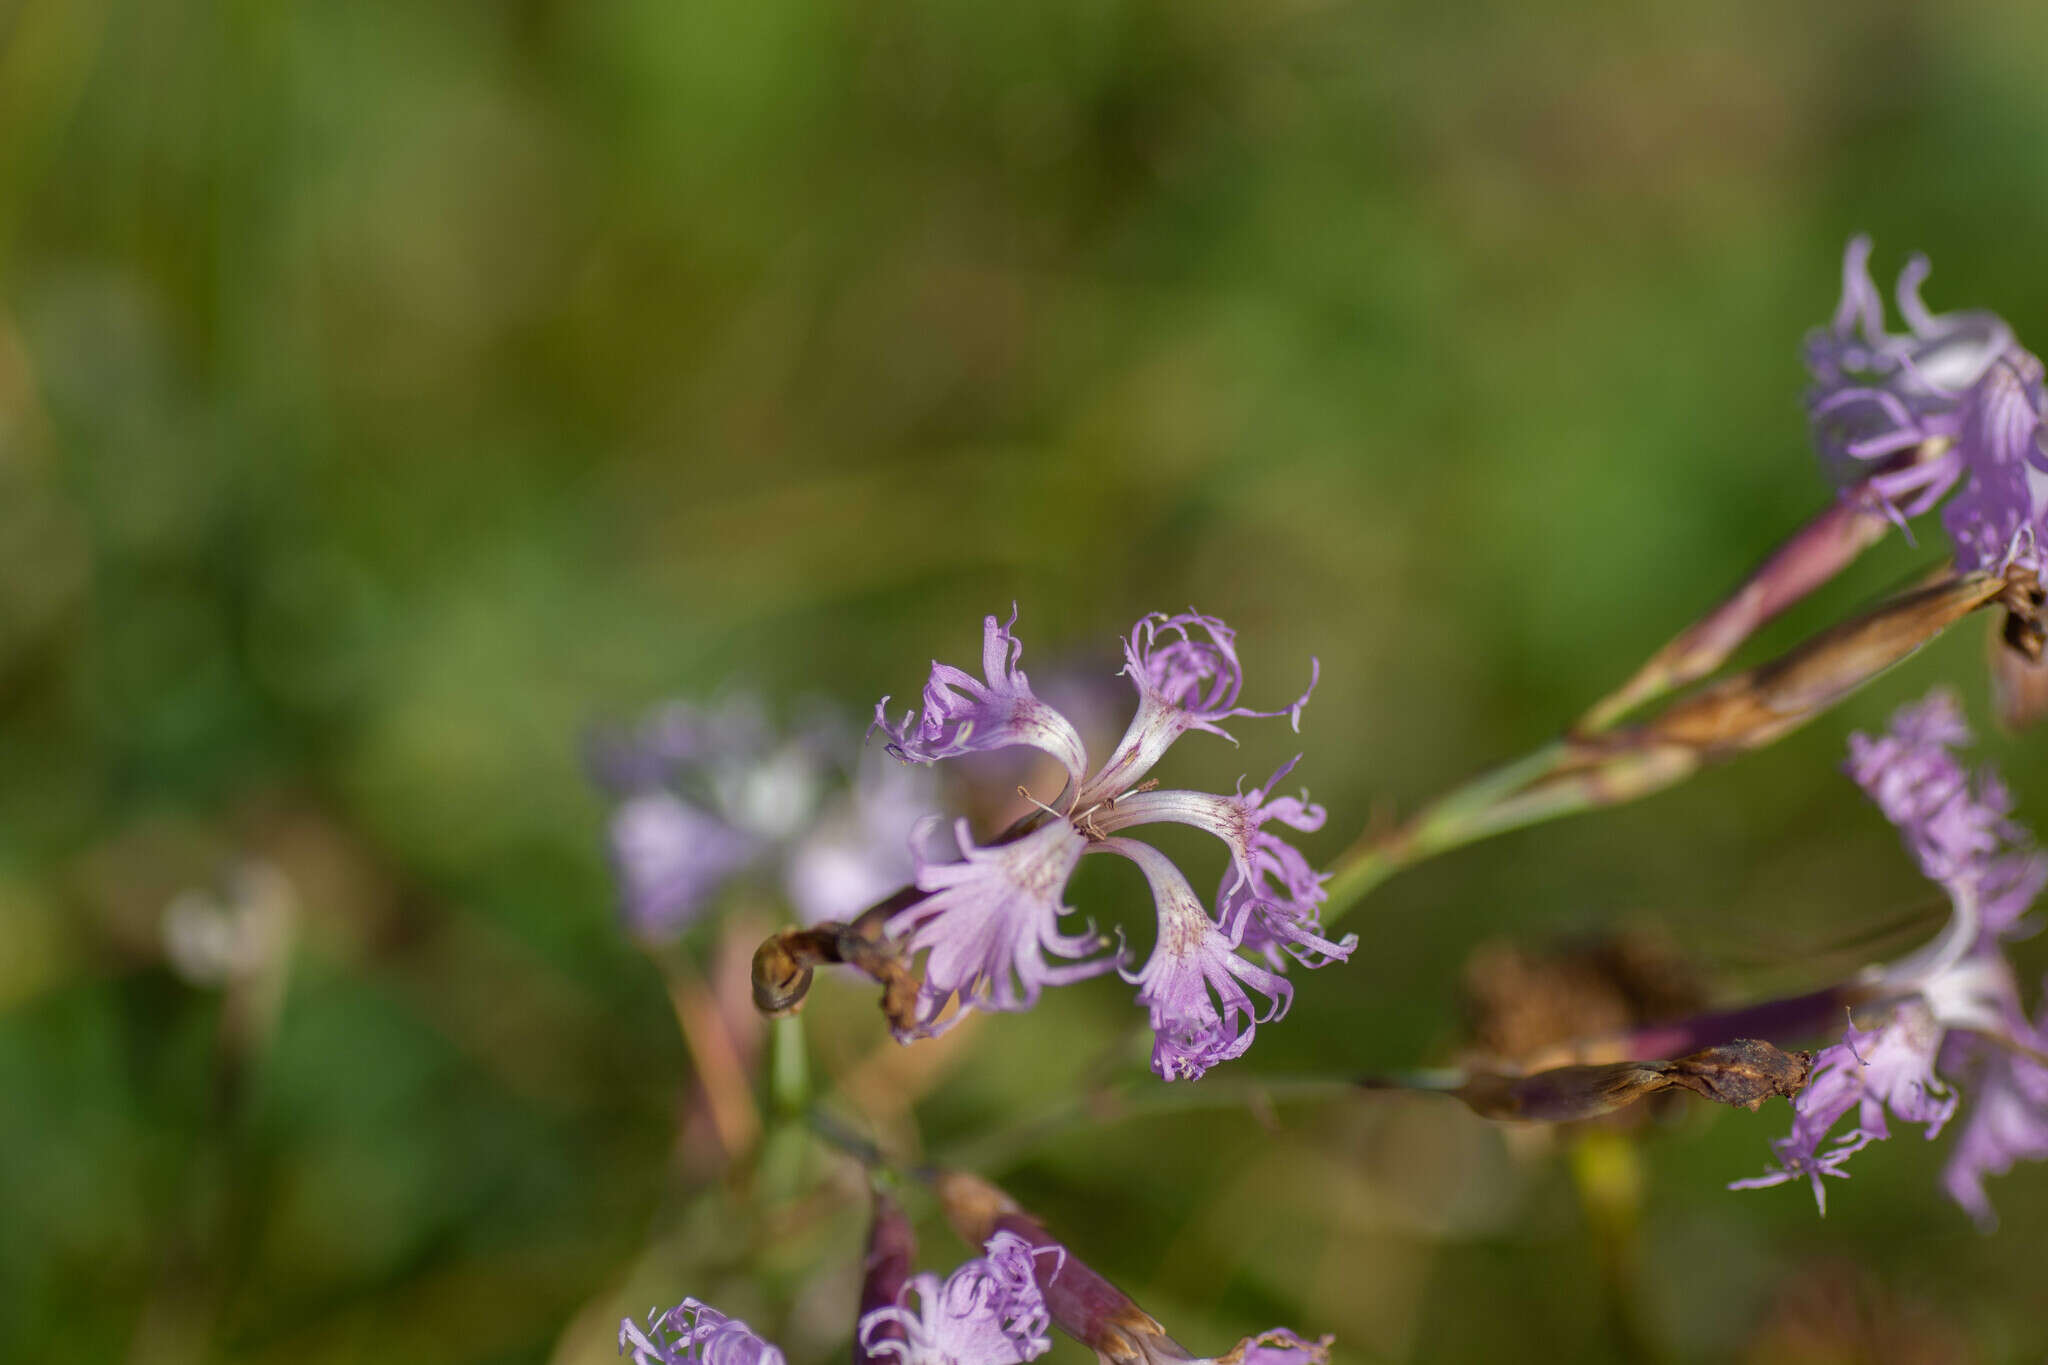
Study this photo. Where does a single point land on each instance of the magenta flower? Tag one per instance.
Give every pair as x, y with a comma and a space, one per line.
1953, 401
988, 1312
693, 1333
989, 926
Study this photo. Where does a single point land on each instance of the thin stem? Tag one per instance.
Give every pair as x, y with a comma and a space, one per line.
1453, 820
721, 1074
1137, 1099
790, 1068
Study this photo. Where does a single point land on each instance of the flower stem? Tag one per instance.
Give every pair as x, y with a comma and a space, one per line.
1462, 816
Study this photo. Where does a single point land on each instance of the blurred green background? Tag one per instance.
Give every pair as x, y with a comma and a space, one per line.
387, 389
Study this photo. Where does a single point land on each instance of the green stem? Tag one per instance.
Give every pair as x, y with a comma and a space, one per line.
789, 1078
1482, 807
1139, 1098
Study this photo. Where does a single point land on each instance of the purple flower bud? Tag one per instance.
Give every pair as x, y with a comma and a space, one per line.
989, 920
1194, 982
693, 1333
892, 1249
988, 1312
963, 716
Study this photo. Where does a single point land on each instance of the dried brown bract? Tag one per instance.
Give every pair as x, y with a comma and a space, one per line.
1743, 1073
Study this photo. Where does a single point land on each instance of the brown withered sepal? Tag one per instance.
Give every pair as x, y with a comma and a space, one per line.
1743, 1073
785, 962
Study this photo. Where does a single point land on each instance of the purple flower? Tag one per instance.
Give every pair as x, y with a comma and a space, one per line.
1280, 1346
859, 849
988, 1312
1999, 514
1087, 1307
1269, 885
963, 716
1878, 395
1194, 982
2008, 1120
1954, 1010
703, 797
670, 858
1908, 417
1184, 683
1890, 1067
1958, 825
988, 921
693, 1333
991, 918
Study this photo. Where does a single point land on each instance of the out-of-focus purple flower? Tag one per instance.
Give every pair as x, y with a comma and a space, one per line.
693, 1333
1999, 514
859, 850
703, 797
988, 1312
1879, 395
1953, 1011
1957, 824
1281, 1346
670, 858
989, 919
2008, 1121
1909, 416
963, 716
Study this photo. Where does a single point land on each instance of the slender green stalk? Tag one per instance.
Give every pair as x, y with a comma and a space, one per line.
1462, 816
789, 1079
1141, 1098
